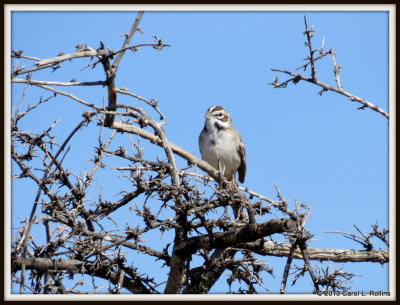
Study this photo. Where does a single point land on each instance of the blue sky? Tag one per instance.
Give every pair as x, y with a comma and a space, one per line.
319, 150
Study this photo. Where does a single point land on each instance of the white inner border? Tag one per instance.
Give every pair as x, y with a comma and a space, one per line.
9, 8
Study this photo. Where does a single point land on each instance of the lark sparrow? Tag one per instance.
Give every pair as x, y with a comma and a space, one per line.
221, 144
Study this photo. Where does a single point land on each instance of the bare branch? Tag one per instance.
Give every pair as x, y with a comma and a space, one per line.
327, 87
73, 266
234, 237
310, 60
128, 38
176, 149
49, 83
319, 254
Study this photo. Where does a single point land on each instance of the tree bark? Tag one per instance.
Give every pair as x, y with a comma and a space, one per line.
73, 266
321, 254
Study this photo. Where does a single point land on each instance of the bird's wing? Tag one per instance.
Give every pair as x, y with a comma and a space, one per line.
242, 167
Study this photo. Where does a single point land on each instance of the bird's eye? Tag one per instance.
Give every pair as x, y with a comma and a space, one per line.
220, 115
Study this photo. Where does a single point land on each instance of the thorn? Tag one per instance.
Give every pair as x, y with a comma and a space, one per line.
322, 91
296, 79
79, 47
123, 34
17, 53
275, 83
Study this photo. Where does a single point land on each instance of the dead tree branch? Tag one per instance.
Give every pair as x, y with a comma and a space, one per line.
310, 61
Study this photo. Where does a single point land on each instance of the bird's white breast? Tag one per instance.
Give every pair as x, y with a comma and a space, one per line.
221, 146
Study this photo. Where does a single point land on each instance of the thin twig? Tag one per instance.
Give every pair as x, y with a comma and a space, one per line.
306, 258
309, 33
50, 83
287, 268
128, 38
327, 87
336, 70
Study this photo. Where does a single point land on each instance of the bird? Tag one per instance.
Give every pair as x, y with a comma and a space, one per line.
221, 144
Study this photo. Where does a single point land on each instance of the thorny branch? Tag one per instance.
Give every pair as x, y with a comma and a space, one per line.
311, 61
83, 230
365, 239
